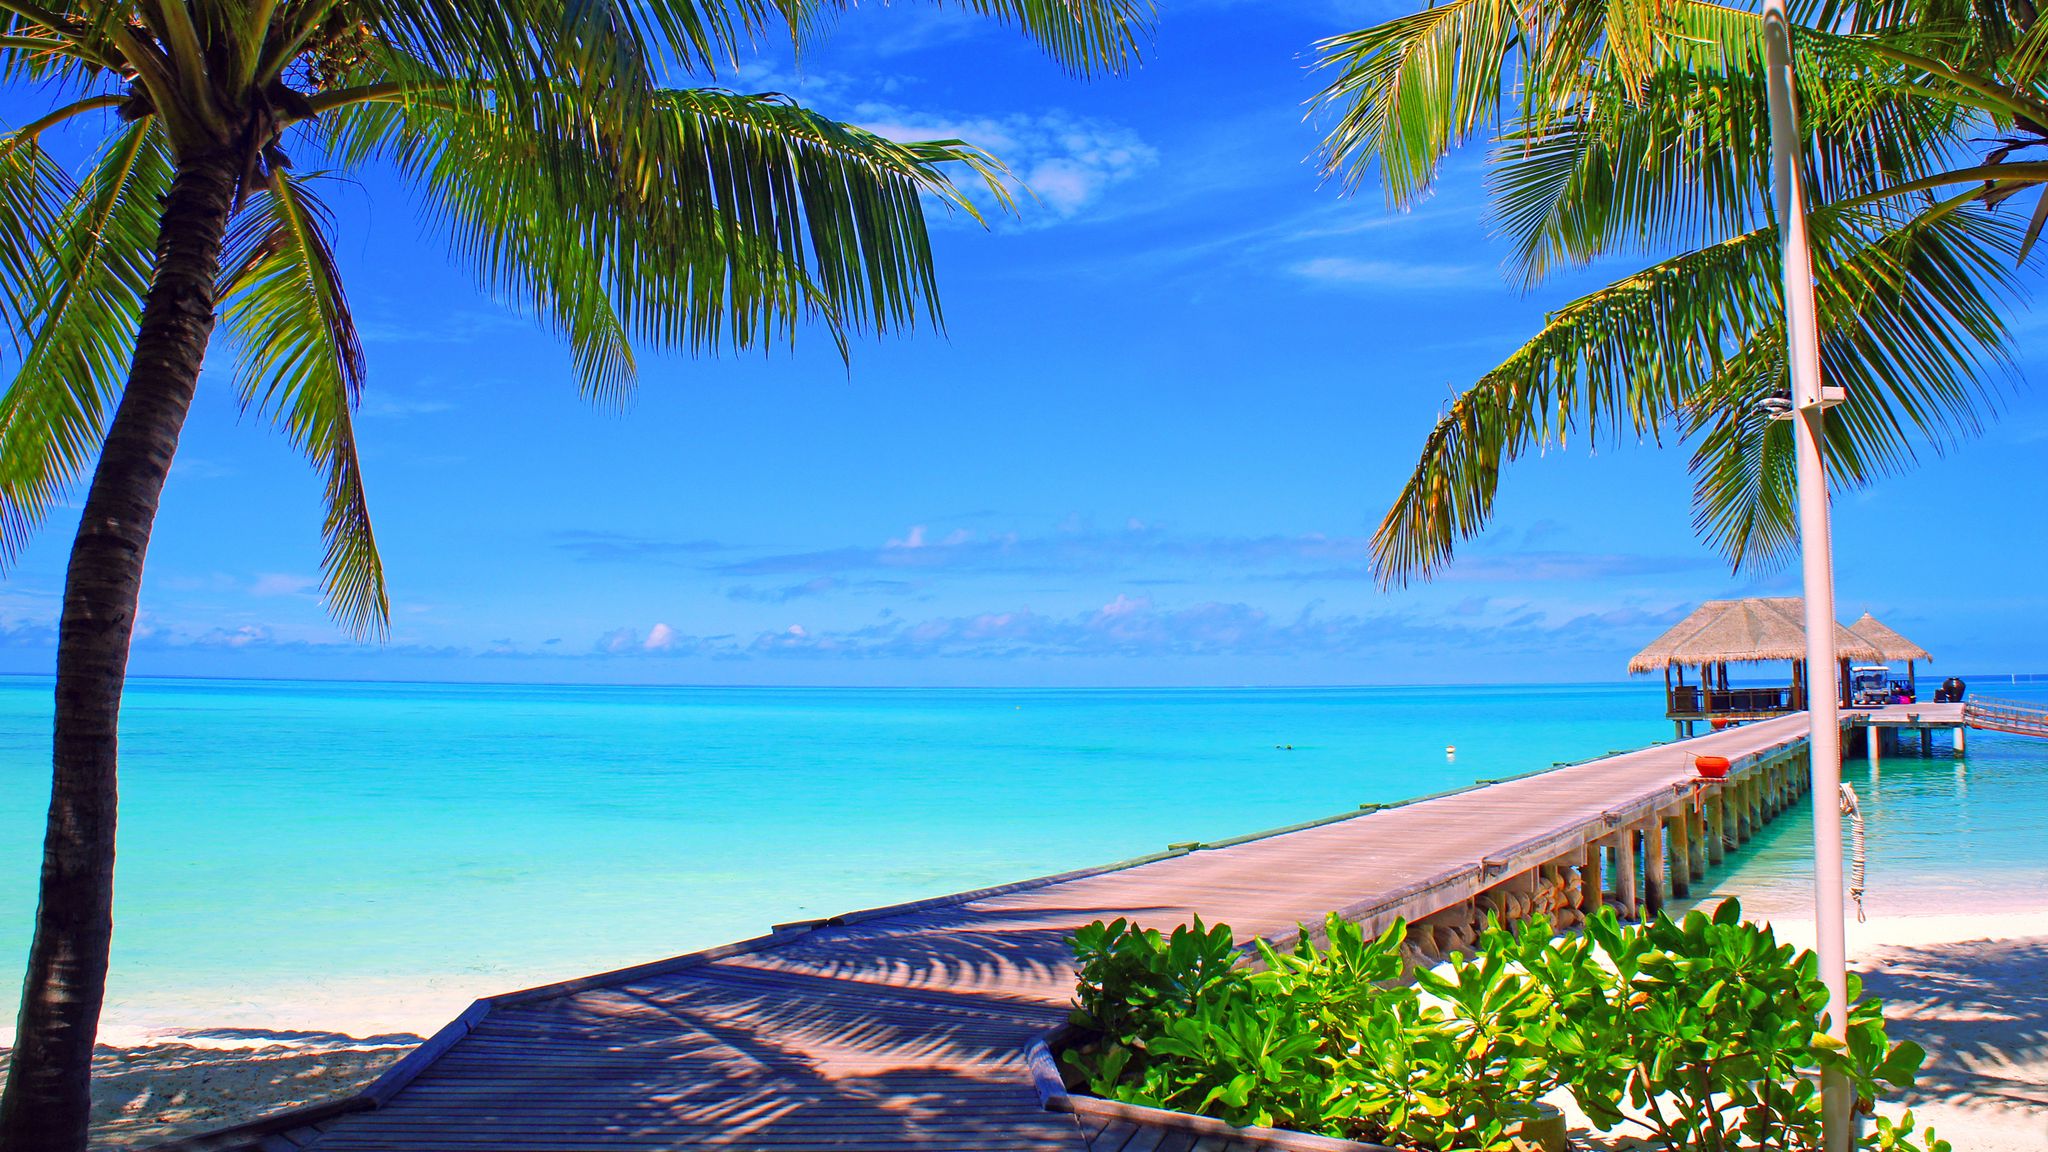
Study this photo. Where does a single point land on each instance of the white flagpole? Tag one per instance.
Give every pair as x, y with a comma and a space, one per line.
1809, 403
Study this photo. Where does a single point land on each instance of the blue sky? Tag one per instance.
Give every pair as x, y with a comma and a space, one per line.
1172, 399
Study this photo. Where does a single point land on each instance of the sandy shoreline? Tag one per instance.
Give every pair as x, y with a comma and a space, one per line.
157, 1092
1970, 986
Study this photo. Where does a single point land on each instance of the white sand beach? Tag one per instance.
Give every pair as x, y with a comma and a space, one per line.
156, 1092
1971, 988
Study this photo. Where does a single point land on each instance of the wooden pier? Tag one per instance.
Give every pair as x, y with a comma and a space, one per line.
1885, 730
2019, 718
913, 1027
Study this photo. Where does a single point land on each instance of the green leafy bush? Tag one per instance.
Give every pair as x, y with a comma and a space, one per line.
1700, 1031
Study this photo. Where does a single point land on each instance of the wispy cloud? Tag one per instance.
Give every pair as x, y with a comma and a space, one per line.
199, 468
448, 326
1391, 275
814, 587
399, 407
627, 548
1528, 565
1138, 554
284, 584
1066, 162
1066, 552
1137, 627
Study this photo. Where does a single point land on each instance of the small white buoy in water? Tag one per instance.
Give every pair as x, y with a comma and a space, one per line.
1450, 751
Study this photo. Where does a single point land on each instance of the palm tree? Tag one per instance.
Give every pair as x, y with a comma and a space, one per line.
1641, 127
543, 137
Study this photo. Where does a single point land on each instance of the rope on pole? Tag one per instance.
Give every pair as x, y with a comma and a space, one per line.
1854, 811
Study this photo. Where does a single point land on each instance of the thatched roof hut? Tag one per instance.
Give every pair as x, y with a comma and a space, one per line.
1744, 632
1891, 646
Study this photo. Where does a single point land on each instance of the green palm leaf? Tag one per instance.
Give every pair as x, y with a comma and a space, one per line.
1085, 38
301, 365
33, 190
1688, 346
79, 312
705, 219
1686, 160
1642, 125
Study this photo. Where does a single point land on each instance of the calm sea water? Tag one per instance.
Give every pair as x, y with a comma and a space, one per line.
371, 856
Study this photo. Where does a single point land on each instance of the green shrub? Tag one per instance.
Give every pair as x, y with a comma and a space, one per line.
1701, 1031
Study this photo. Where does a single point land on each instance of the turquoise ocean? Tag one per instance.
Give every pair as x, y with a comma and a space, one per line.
369, 857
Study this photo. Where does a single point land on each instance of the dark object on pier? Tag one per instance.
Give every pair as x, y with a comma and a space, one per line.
1950, 692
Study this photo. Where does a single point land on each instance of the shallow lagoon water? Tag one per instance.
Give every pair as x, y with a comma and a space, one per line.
371, 856
1942, 833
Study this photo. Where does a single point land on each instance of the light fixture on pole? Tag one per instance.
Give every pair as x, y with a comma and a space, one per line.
1809, 403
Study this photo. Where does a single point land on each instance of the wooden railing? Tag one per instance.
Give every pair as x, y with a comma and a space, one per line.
2022, 719
1691, 700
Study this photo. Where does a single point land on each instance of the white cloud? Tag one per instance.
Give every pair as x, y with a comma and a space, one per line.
1062, 162
660, 638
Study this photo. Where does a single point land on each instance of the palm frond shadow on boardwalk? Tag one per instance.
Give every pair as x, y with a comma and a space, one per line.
871, 1035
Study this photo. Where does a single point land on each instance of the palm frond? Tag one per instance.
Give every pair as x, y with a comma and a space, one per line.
1413, 88
1686, 160
1911, 314
33, 190
708, 219
302, 367
74, 50
1086, 37
79, 318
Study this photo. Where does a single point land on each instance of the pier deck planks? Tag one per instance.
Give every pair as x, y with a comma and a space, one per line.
907, 1029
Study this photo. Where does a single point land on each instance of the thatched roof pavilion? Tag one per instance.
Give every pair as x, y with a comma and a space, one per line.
1745, 632
1891, 647
1723, 632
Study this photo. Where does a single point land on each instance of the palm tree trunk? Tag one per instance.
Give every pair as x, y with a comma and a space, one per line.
47, 1101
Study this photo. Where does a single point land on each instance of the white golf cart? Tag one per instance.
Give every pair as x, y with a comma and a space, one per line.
1872, 686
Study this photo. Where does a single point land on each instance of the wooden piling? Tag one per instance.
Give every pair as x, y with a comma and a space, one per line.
1679, 840
1589, 879
1696, 839
1625, 898
1657, 878
1717, 825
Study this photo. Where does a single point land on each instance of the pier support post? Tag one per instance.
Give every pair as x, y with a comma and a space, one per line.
1679, 837
1589, 879
1657, 881
1696, 840
1624, 846
1874, 742
1959, 739
1717, 825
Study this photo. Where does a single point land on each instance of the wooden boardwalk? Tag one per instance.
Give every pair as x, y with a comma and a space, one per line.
2011, 716
908, 1027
